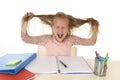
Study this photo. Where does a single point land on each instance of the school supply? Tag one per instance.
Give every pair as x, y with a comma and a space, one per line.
101, 58
13, 63
59, 64
21, 75
100, 66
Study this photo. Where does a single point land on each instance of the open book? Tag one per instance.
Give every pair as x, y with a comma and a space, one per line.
52, 64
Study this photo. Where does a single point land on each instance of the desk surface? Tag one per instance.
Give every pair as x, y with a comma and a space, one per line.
113, 73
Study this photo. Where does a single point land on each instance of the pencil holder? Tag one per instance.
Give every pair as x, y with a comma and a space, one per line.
100, 67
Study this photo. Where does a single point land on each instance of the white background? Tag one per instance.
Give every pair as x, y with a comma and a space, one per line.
105, 11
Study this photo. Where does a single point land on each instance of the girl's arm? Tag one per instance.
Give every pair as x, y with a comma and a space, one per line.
93, 34
31, 39
82, 41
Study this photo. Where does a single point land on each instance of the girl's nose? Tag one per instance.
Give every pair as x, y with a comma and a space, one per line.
60, 30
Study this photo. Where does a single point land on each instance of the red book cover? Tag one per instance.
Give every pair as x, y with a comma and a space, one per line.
21, 75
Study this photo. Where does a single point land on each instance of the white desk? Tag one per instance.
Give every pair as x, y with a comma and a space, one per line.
113, 73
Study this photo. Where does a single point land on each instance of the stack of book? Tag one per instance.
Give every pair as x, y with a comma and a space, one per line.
12, 66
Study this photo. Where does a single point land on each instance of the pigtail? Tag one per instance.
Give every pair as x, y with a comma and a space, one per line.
94, 27
75, 22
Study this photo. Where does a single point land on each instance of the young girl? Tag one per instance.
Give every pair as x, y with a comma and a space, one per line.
61, 40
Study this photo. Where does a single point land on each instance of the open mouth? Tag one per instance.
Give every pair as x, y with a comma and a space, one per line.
60, 35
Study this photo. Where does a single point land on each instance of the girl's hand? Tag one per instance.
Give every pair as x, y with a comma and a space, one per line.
90, 20
28, 16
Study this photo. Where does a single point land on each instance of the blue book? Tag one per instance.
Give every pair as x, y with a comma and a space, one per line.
13, 63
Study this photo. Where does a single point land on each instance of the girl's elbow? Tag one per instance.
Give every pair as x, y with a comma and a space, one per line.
24, 39
92, 42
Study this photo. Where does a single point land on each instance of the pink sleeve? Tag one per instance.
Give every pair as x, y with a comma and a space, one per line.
81, 41
39, 40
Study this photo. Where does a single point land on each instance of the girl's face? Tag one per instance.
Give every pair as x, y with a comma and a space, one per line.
60, 29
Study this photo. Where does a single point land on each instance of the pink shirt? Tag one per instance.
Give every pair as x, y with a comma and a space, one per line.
55, 48
52, 46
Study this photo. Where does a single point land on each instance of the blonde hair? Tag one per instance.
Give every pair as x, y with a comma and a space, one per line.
73, 22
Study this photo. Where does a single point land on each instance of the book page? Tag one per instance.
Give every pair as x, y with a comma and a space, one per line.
43, 64
75, 64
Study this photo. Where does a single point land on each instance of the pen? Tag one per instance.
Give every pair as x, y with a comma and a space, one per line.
63, 63
106, 58
97, 55
107, 54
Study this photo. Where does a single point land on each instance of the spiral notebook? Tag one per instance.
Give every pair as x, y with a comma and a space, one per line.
52, 64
